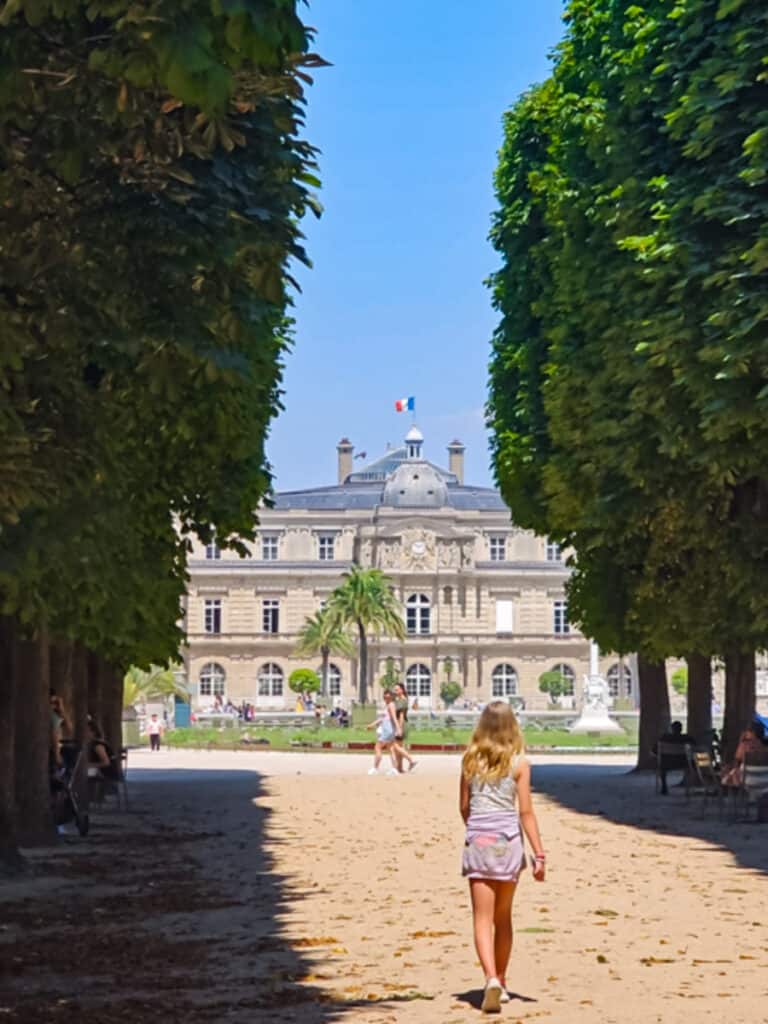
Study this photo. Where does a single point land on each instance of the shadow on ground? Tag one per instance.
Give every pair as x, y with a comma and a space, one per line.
170, 911
628, 798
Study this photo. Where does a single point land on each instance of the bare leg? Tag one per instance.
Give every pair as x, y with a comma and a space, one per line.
377, 755
401, 754
502, 921
483, 893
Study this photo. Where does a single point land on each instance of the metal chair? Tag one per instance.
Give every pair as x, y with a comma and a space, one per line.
753, 786
702, 776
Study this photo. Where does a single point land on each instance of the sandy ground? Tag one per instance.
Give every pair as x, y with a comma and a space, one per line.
293, 887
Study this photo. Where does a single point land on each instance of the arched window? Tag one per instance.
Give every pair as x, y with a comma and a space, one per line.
568, 676
418, 681
619, 678
334, 681
270, 680
417, 615
447, 595
504, 681
213, 680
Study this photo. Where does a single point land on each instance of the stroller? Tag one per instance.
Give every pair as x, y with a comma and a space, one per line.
64, 800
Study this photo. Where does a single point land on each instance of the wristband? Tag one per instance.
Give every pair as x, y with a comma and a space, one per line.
539, 856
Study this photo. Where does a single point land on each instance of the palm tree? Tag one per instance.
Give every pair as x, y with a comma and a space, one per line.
322, 634
366, 600
157, 684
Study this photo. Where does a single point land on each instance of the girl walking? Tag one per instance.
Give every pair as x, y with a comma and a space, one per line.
386, 731
495, 801
401, 711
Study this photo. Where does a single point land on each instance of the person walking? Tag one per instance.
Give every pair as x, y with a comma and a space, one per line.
386, 731
495, 801
155, 731
398, 745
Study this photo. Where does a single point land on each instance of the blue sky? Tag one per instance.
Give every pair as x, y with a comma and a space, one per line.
408, 120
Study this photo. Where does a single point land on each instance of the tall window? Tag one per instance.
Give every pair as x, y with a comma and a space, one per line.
325, 546
212, 549
270, 616
268, 548
504, 681
504, 616
567, 675
213, 680
270, 680
417, 615
554, 553
212, 615
447, 595
418, 681
498, 549
619, 679
561, 625
334, 681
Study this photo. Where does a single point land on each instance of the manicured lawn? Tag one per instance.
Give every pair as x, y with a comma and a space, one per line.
282, 738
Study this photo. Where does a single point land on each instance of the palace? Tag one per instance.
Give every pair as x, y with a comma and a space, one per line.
483, 600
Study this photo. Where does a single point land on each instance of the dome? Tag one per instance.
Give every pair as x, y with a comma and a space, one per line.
416, 484
414, 434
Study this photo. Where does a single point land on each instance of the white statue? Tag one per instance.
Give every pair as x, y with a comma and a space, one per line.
596, 693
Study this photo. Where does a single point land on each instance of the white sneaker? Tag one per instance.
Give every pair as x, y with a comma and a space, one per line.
492, 996
373, 771
505, 997
392, 771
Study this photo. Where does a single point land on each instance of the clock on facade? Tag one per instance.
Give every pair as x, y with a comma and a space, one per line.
418, 548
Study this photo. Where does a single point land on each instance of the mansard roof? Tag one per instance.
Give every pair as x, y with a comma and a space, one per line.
395, 480
371, 495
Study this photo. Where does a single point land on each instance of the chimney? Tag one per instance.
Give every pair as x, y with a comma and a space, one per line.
456, 460
345, 450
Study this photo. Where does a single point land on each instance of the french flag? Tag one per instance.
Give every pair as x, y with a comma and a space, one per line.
405, 405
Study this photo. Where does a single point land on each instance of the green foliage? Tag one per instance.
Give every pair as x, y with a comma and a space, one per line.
156, 684
680, 680
553, 684
450, 692
629, 369
391, 676
304, 680
322, 634
152, 178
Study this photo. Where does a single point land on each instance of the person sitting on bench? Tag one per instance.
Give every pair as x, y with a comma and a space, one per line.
670, 761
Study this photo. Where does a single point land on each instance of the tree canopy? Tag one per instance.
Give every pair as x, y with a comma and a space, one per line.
629, 369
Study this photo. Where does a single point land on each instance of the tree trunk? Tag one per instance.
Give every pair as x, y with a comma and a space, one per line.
61, 679
34, 820
363, 678
654, 709
10, 858
699, 723
94, 687
79, 712
112, 706
739, 698
325, 653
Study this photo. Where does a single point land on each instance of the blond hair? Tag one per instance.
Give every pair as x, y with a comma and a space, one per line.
497, 739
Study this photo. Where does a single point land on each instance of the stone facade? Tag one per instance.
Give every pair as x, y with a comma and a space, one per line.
482, 598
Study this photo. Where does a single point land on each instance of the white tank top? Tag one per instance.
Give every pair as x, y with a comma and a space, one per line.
492, 797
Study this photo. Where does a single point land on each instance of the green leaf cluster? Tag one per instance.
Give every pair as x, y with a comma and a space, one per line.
304, 680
